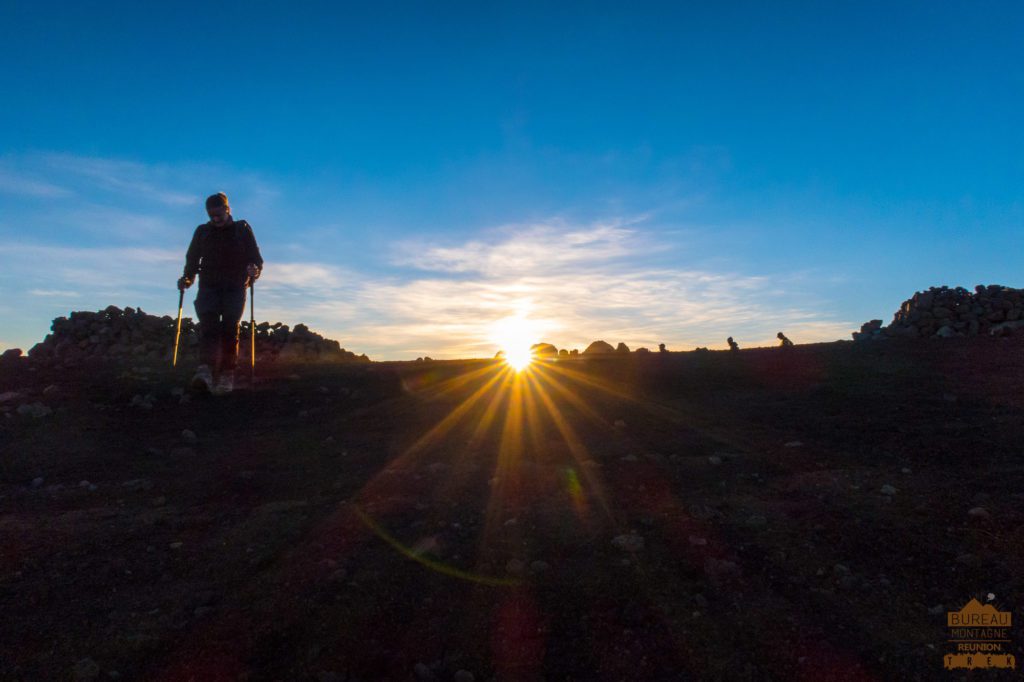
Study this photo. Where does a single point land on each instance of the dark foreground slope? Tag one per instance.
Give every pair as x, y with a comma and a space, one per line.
763, 515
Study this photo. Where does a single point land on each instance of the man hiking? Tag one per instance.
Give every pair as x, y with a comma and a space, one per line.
224, 254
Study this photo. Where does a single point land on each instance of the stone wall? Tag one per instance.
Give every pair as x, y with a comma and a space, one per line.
117, 334
944, 312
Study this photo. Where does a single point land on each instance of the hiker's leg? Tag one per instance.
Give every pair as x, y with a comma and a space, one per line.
233, 308
209, 327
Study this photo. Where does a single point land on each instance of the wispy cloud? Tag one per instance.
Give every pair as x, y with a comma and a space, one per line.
525, 248
149, 182
49, 293
570, 284
12, 182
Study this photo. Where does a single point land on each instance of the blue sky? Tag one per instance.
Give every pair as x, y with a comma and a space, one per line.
421, 175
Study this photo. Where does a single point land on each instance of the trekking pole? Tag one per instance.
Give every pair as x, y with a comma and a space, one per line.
252, 333
177, 334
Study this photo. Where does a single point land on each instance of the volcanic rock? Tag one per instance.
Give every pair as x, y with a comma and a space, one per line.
599, 348
115, 334
942, 312
543, 350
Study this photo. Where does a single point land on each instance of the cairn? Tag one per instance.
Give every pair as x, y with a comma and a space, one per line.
943, 312
131, 334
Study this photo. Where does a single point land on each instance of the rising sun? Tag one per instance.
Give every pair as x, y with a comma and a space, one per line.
515, 335
518, 356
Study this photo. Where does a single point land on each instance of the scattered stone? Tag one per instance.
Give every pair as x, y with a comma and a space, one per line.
183, 452
630, 542
145, 402
37, 482
138, 484
905, 470
715, 460
794, 444
87, 485
328, 676
721, 568
888, 490
968, 559
620, 423
757, 521
189, 436
698, 541
51, 390
848, 582
840, 569
464, 676
936, 610
158, 501
10, 396
515, 566
423, 672
979, 513
177, 391
176, 545
539, 567
86, 669
35, 410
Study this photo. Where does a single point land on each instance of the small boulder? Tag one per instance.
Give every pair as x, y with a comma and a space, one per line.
630, 542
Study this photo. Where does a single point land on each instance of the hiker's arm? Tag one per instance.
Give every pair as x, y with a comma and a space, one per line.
192, 258
193, 255
253, 253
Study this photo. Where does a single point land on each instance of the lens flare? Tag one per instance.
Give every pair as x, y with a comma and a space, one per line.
516, 336
518, 358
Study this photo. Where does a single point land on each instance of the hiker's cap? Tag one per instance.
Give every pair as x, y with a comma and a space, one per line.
217, 200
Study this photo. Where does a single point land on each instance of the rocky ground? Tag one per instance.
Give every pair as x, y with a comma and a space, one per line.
806, 514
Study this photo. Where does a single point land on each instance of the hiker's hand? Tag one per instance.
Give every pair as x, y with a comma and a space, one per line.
253, 270
184, 283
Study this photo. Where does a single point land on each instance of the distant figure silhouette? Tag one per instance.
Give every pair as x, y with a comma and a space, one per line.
661, 348
733, 346
783, 341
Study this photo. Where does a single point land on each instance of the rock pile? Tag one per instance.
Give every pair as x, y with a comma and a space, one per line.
944, 312
116, 334
599, 348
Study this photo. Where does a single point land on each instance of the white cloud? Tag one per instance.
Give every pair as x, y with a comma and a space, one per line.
153, 183
12, 182
571, 284
518, 249
58, 293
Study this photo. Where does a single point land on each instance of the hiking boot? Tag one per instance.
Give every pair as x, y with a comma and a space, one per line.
203, 380
225, 383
